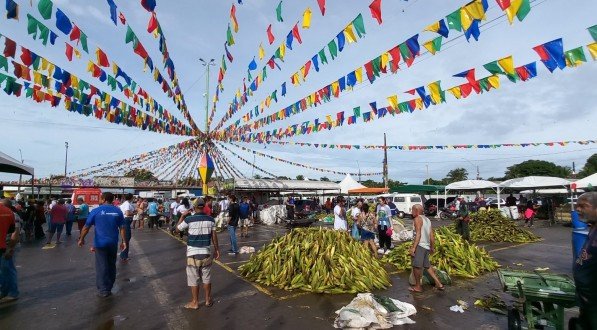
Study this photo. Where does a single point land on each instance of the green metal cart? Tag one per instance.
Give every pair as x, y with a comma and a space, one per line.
543, 298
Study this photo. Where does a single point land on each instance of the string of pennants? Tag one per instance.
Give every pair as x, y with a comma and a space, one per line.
130, 88
78, 94
336, 45
431, 147
552, 55
466, 18
226, 164
298, 164
248, 162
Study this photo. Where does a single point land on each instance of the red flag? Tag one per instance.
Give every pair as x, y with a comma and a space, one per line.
295, 33
26, 56
522, 73
140, 50
122, 18
75, 33
153, 23
102, 58
270, 36
307, 68
465, 90
504, 4
321, 4
395, 53
10, 48
69, 52
369, 70
375, 7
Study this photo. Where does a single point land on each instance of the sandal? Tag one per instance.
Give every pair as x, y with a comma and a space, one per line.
441, 288
211, 303
411, 289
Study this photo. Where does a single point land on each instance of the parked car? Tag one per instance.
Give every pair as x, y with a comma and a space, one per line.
404, 202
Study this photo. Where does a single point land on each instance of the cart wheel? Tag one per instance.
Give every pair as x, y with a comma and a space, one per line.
514, 321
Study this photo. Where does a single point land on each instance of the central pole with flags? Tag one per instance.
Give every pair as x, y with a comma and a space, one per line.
206, 165
385, 162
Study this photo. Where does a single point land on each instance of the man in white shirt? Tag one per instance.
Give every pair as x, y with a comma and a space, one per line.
128, 211
173, 214
224, 205
355, 211
340, 215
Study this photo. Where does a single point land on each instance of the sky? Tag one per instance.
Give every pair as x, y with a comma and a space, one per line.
552, 107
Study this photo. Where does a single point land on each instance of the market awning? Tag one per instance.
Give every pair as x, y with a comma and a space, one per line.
284, 185
471, 185
533, 182
348, 183
369, 190
418, 189
588, 182
11, 165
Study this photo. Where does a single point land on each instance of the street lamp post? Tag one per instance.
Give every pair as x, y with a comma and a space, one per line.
207, 65
20, 175
65, 159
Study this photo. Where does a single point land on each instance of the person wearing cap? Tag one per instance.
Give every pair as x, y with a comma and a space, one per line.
201, 233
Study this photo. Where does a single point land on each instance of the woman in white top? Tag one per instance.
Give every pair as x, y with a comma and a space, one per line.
340, 215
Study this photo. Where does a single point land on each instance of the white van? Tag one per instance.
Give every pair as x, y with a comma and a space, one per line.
404, 202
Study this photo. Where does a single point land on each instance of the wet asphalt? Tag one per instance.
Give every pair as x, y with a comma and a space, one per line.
57, 288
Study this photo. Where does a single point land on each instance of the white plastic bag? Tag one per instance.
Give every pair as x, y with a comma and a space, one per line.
367, 311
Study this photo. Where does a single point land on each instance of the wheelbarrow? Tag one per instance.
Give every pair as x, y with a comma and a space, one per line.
543, 297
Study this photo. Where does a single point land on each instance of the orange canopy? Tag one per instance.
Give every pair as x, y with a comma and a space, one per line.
369, 191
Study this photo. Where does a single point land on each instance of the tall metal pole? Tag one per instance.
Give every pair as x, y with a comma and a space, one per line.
385, 162
65, 159
427, 166
207, 101
21, 175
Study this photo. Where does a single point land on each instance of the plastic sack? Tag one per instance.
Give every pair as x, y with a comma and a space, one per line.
368, 311
355, 232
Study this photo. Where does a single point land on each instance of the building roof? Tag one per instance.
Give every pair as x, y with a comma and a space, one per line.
11, 165
418, 189
348, 183
529, 182
284, 185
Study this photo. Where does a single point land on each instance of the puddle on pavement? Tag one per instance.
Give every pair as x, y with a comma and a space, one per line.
112, 323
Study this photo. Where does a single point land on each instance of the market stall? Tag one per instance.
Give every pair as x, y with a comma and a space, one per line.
471, 185
349, 183
11, 165
587, 183
532, 183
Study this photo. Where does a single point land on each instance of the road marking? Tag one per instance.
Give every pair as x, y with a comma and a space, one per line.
48, 246
291, 296
174, 316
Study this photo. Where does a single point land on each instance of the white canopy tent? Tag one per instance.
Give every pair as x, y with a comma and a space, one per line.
532, 183
11, 165
348, 183
590, 181
470, 185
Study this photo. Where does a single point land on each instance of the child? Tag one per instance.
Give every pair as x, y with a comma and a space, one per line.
529, 213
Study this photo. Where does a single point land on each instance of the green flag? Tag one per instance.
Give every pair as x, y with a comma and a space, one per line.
484, 84
229, 38
359, 26
357, 112
223, 65
32, 26
279, 12
593, 32
333, 49
493, 68
3, 63
403, 106
130, 35
525, 8
36, 63
404, 51
44, 33
264, 73
84, 42
454, 21
376, 63
29, 93
575, 56
512, 77
322, 57
274, 96
45, 8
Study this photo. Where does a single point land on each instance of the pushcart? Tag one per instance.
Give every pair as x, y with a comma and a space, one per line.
543, 298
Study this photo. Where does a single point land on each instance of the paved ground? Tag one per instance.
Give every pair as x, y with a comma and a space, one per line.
58, 289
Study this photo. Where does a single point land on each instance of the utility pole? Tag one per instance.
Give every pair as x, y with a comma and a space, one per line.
21, 175
478, 173
65, 159
427, 166
359, 166
385, 162
573, 170
207, 65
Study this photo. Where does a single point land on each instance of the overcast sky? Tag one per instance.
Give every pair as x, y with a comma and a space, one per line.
551, 107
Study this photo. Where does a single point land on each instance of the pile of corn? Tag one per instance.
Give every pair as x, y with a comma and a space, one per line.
316, 260
493, 226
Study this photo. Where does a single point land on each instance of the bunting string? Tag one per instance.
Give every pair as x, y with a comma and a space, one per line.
248, 162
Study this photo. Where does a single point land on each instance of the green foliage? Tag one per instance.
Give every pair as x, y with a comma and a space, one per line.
537, 167
590, 167
300, 177
325, 179
140, 174
455, 175
256, 176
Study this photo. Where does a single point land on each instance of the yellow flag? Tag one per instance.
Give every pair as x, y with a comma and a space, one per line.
349, 34
429, 46
475, 10
393, 101
307, 18
335, 87
303, 72
261, 52
155, 75
513, 9
44, 63
90, 66
419, 104
433, 27
74, 81
282, 50
385, 59
507, 63
51, 68
456, 92
114, 68
593, 50
77, 53
359, 74
328, 118
494, 81
37, 78
295, 80
435, 91
465, 19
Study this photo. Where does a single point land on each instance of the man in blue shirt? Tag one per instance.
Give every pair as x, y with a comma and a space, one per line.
152, 211
108, 221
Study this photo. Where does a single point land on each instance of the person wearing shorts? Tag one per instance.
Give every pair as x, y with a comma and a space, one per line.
245, 212
422, 248
201, 233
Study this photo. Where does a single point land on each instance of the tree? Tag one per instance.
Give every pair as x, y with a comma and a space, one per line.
256, 176
300, 177
324, 178
536, 167
283, 178
455, 175
589, 168
432, 181
140, 174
